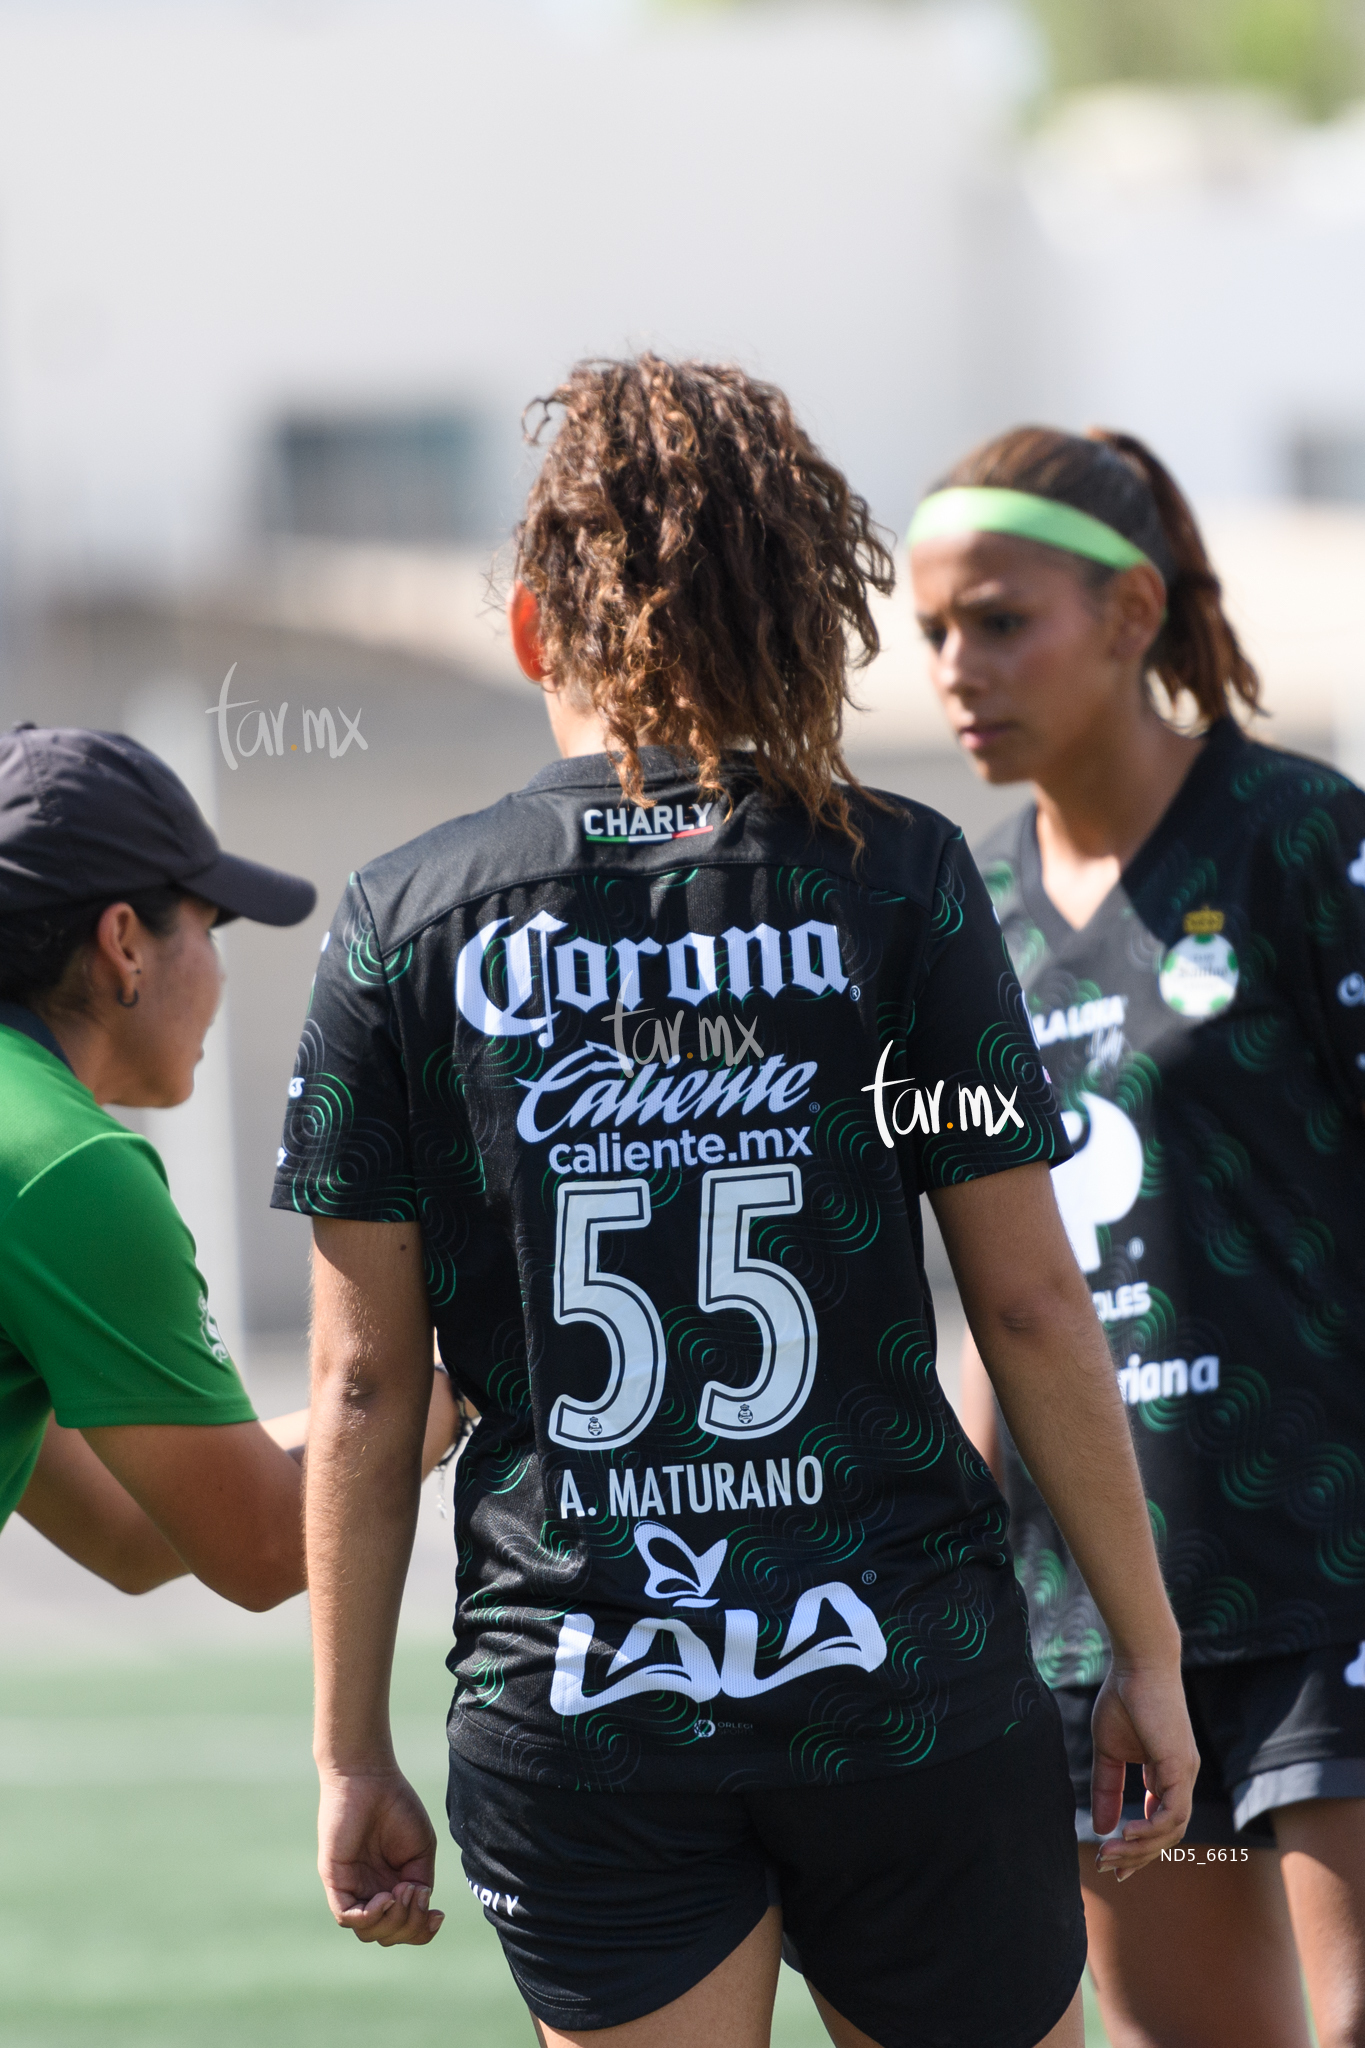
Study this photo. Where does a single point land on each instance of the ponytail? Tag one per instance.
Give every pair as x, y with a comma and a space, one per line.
1116, 478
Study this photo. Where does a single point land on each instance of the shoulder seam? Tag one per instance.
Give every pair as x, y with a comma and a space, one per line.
99, 1138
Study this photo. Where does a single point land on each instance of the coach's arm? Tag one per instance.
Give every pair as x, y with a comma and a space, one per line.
142, 1504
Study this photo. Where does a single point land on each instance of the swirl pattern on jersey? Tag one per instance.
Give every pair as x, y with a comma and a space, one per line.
665, 1124
1211, 1002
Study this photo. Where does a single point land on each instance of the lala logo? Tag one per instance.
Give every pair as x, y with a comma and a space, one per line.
685, 1582
684, 1579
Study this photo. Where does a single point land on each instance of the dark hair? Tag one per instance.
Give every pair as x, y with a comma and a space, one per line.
1116, 478
37, 947
701, 571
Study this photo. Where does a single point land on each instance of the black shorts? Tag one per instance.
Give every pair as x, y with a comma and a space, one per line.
1270, 1731
610, 1905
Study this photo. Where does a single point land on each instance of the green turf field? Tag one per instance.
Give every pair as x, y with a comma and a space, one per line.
157, 1887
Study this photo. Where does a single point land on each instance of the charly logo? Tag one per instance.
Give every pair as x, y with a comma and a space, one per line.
974, 1106
645, 825
1356, 873
809, 959
1198, 976
687, 1665
265, 732
1102, 1181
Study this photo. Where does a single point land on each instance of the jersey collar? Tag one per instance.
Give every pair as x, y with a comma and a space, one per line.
32, 1026
1224, 739
597, 771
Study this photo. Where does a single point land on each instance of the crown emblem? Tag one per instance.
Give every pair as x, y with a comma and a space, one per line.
1203, 923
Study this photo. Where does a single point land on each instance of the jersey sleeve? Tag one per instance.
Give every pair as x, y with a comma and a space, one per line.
345, 1150
976, 1098
1321, 941
102, 1296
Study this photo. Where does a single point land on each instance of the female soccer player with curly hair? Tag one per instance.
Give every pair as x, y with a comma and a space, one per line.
632, 1082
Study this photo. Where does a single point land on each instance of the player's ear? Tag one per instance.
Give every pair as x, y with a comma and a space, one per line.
1138, 598
523, 620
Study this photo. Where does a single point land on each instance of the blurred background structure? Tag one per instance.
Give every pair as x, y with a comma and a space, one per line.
277, 280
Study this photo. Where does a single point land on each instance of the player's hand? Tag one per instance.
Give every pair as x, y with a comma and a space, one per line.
1140, 1717
377, 1858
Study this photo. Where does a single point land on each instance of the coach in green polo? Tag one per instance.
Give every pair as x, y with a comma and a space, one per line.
126, 1435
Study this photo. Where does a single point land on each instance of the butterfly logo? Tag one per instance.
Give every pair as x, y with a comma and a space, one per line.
679, 1576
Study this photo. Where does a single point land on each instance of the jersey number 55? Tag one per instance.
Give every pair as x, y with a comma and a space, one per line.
728, 1277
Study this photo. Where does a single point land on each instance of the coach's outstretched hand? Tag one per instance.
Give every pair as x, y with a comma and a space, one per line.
377, 1858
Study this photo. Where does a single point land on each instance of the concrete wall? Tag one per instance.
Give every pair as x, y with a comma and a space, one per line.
208, 213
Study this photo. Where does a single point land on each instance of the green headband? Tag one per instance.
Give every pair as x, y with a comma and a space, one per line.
975, 508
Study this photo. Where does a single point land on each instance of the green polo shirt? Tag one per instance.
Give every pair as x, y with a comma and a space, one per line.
104, 1317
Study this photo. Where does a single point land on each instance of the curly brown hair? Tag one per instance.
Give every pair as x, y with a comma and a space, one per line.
1116, 478
702, 574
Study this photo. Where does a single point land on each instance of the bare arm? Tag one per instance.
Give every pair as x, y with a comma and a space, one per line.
1034, 1324
224, 1496
75, 1502
371, 1392
976, 1408
290, 1432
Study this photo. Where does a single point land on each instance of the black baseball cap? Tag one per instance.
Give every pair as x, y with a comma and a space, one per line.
90, 815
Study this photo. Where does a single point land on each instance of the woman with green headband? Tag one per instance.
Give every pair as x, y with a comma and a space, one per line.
1186, 911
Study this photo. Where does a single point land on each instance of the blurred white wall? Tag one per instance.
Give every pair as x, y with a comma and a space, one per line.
208, 211
1199, 266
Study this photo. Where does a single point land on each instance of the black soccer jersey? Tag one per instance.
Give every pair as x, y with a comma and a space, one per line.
662, 1085
1206, 1034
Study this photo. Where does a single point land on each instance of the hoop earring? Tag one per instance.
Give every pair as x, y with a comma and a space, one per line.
124, 1005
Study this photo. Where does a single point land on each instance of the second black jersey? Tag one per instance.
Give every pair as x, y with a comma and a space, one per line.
1206, 1034
662, 1085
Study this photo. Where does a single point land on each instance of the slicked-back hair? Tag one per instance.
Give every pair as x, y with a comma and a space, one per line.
1116, 478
